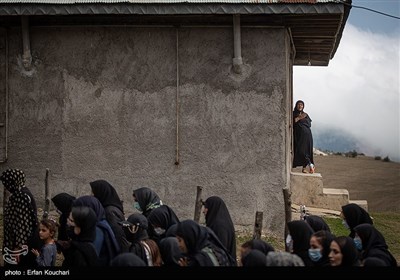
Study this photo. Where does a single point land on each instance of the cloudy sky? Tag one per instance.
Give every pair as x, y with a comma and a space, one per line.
359, 91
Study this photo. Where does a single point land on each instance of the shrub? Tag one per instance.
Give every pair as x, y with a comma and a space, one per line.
378, 158
386, 159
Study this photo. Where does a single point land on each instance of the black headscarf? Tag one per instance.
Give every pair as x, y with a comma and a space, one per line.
82, 251
147, 199
254, 258
113, 209
106, 194
374, 244
295, 111
348, 251
219, 220
260, 245
302, 139
301, 233
110, 247
355, 215
325, 238
317, 223
198, 243
163, 217
170, 251
63, 202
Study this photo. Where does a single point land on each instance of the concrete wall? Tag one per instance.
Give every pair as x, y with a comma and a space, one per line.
100, 103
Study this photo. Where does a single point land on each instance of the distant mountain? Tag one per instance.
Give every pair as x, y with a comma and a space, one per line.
335, 140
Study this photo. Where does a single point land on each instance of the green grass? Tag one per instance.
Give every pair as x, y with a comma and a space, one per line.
387, 223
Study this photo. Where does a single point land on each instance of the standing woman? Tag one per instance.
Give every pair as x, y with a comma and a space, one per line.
20, 220
303, 140
219, 220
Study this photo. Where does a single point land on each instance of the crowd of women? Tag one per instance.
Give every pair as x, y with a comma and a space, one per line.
93, 231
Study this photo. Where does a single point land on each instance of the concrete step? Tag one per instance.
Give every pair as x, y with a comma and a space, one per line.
361, 203
334, 199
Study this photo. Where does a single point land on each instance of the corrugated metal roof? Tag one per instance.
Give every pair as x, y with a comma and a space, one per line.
63, 2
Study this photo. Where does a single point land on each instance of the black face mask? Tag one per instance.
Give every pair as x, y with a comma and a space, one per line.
70, 232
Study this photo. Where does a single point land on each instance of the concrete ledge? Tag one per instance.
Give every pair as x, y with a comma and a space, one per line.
361, 203
328, 191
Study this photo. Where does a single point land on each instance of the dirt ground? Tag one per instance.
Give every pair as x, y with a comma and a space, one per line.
364, 177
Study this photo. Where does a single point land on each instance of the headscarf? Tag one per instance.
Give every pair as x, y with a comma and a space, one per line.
355, 215
13, 180
219, 220
19, 215
170, 251
163, 217
63, 202
106, 194
254, 258
295, 111
200, 245
147, 199
317, 223
260, 245
374, 244
348, 251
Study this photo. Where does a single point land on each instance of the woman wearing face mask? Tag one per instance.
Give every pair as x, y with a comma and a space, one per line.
160, 220
372, 244
145, 200
354, 215
81, 252
300, 233
63, 203
320, 247
135, 228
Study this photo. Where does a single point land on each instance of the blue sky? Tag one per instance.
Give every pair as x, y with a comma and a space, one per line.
374, 22
359, 92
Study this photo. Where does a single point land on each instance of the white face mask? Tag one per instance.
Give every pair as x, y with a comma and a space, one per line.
159, 231
289, 242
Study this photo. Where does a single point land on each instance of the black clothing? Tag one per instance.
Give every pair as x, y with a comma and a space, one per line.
170, 252
374, 244
201, 249
63, 202
147, 199
113, 208
81, 251
355, 215
301, 233
260, 245
127, 259
302, 139
317, 223
254, 258
219, 220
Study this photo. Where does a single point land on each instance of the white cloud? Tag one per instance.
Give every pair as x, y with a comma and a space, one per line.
358, 92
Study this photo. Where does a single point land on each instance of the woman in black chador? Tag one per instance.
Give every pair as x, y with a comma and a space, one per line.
303, 140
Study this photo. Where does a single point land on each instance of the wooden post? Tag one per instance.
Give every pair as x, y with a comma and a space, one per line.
198, 205
288, 212
46, 195
258, 225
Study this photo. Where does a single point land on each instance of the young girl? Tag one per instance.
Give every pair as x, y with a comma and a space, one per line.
48, 253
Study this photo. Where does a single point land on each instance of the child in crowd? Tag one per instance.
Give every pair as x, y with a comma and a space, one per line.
48, 253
